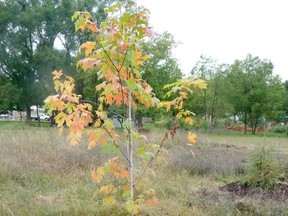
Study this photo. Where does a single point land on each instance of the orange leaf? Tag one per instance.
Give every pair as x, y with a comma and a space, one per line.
118, 99
92, 26
152, 202
93, 176
92, 141
98, 175
87, 63
109, 98
105, 190
102, 141
110, 75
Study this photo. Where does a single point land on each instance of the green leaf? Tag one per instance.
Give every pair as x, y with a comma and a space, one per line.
75, 15
125, 17
57, 84
108, 201
147, 155
140, 150
70, 107
60, 118
110, 149
131, 85
132, 207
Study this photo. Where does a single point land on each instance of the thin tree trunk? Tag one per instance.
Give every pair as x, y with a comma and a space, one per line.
205, 104
28, 115
130, 149
38, 117
255, 126
245, 122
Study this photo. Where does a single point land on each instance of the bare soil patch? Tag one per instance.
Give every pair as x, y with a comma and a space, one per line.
279, 192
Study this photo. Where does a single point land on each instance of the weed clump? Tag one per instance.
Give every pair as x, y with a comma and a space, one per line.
263, 171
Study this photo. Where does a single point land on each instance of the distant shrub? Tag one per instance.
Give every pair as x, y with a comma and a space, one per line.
263, 171
280, 129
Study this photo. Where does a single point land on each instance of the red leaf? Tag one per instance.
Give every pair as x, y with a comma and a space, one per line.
123, 48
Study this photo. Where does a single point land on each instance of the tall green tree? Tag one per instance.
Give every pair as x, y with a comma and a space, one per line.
9, 94
212, 102
253, 92
285, 108
28, 49
160, 69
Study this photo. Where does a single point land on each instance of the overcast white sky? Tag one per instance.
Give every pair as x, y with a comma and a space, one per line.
224, 29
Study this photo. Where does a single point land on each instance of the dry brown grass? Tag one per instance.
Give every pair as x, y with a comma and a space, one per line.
41, 174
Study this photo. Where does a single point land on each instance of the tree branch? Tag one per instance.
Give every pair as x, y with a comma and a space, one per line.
118, 70
116, 145
151, 160
96, 104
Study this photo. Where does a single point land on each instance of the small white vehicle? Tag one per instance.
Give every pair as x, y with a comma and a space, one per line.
6, 116
42, 116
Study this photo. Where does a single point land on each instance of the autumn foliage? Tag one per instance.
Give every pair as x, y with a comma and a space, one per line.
116, 54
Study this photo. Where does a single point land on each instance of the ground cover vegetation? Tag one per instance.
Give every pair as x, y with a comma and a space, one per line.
42, 174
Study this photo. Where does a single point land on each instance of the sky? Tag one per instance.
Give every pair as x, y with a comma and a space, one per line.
224, 29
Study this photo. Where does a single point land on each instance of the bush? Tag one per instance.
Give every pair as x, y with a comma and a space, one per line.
280, 129
263, 171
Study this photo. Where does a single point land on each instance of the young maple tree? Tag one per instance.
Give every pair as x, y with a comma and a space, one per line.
116, 54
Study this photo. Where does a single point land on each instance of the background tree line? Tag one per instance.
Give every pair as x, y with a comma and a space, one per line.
38, 36
246, 89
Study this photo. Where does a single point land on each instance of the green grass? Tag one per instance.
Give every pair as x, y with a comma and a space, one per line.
249, 134
14, 124
41, 174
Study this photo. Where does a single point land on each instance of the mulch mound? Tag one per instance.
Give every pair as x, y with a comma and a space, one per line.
279, 192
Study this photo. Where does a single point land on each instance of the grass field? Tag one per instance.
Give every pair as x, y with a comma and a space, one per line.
41, 174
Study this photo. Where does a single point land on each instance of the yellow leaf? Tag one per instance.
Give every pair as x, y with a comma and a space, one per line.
87, 15
57, 74
74, 137
192, 138
126, 188
88, 46
189, 120
92, 141
146, 57
109, 200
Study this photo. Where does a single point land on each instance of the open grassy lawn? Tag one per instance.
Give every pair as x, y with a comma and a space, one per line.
41, 174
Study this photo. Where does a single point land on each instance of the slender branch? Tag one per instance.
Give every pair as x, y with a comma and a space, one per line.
109, 133
156, 154
96, 104
116, 145
112, 62
118, 71
123, 61
150, 161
